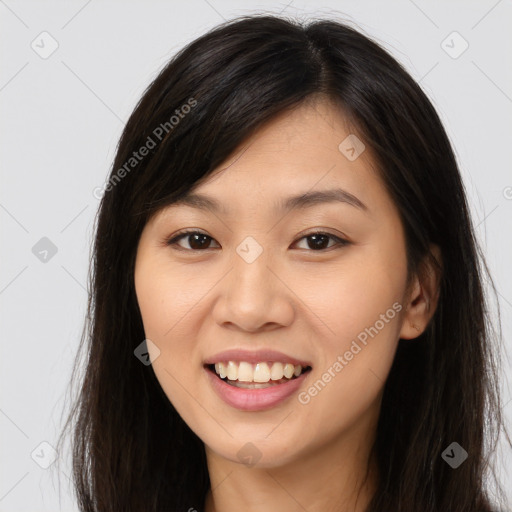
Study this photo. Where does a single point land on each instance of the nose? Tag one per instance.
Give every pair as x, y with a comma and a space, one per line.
253, 297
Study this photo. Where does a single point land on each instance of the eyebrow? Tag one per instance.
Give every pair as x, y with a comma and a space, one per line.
306, 200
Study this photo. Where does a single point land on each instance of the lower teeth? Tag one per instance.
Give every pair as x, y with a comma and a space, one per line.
250, 385
255, 385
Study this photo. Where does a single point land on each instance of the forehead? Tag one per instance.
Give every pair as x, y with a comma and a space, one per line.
302, 157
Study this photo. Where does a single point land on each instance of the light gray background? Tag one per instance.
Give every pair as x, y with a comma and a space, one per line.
61, 118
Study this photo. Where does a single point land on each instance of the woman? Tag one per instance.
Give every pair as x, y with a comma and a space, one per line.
287, 308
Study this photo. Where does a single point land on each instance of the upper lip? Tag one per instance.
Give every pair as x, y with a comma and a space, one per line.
255, 356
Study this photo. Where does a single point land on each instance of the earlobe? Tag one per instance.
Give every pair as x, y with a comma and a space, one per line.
421, 303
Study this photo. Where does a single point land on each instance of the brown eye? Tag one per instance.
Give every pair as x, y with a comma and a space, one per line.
319, 241
197, 241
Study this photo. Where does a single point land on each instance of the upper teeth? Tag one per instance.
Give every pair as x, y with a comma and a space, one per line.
260, 372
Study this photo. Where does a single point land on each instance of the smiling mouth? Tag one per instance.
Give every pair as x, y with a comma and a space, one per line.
263, 375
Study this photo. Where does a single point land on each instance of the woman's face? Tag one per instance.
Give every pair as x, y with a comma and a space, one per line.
261, 285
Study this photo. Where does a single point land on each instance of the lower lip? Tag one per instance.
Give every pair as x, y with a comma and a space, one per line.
254, 399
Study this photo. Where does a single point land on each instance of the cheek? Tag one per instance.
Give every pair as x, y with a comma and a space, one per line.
166, 311
352, 295
152, 298
360, 310
165, 297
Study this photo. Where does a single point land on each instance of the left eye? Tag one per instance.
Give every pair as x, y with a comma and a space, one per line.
200, 241
317, 240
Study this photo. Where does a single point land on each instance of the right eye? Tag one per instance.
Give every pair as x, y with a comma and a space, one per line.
197, 241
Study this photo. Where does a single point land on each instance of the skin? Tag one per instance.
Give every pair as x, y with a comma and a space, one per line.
306, 302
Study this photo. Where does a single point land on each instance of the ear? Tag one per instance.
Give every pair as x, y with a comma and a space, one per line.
421, 301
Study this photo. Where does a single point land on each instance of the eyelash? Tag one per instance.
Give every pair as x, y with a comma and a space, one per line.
173, 241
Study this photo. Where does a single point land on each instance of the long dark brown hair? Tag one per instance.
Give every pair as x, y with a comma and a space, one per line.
131, 451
